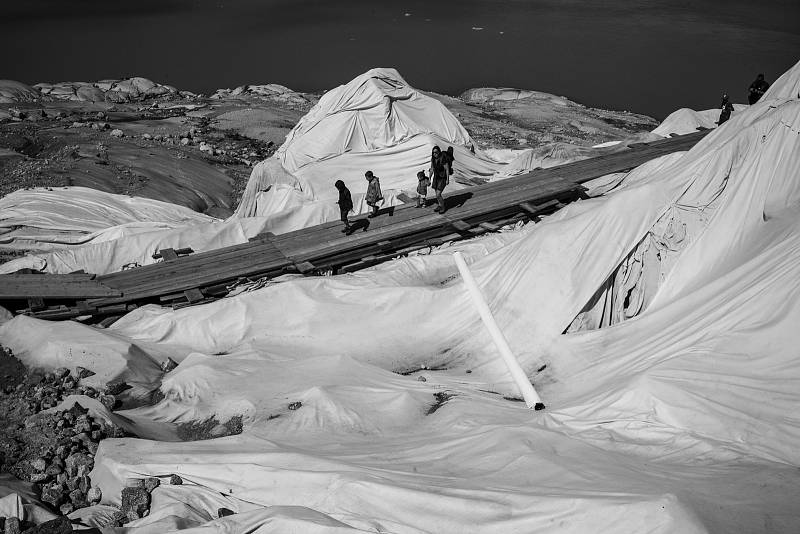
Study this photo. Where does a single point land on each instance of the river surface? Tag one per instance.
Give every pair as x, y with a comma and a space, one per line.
650, 57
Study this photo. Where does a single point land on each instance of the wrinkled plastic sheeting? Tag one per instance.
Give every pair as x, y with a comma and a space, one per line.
70, 215
50, 345
657, 423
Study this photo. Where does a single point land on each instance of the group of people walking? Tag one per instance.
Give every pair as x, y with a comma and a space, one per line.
441, 168
756, 91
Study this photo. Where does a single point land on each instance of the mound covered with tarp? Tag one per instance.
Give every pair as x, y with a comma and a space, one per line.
657, 322
375, 122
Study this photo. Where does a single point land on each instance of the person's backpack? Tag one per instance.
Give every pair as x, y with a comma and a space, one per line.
449, 158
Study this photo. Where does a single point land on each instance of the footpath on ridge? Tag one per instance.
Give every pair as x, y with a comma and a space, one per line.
196, 278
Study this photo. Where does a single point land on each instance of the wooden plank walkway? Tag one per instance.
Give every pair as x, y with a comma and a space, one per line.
23, 286
471, 211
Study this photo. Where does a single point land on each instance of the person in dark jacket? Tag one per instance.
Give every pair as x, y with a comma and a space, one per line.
757, 89
440, 176
726, 108
345, 203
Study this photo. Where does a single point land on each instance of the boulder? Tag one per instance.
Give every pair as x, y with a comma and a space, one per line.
156, 90
12, 525
90, 94
12, 91
53, 494
94, 495
135, 500
105, 85
75, 461
39, 464
142, 85
151, 483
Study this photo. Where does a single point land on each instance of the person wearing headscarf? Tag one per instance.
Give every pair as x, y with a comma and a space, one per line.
440, 176
374, 194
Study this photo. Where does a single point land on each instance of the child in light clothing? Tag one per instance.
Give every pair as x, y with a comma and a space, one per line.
422, 188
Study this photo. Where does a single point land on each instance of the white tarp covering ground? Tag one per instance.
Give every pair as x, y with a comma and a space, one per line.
685, 121
56, 217
680, 417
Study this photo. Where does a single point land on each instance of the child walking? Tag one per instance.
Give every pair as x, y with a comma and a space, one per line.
374, 194
345, 203
422, 188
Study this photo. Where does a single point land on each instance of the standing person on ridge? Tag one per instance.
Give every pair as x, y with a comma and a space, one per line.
439, 176
345, 204
757, 89
374, 194
726, 108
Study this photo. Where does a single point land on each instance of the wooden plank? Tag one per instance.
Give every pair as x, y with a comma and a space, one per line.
196, 275
460, 225
112, 309
85, 309
167, 254
305, 267
42, 277
529, 208
193, 295
43, 286
204, 257
422, 223
187, 281
201, 261
57, 314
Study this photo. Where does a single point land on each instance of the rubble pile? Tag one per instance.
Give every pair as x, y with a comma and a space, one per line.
54, 449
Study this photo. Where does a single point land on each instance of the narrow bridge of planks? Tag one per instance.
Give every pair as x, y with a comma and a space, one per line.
181, 280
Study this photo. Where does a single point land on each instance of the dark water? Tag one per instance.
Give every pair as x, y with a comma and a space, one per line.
646, 56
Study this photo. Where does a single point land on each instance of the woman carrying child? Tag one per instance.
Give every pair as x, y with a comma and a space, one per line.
439, 176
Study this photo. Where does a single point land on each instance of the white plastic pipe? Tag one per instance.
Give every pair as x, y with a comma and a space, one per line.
525, 387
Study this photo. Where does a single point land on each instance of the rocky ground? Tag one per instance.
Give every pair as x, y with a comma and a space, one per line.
52, 445
189, 150
512, 118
